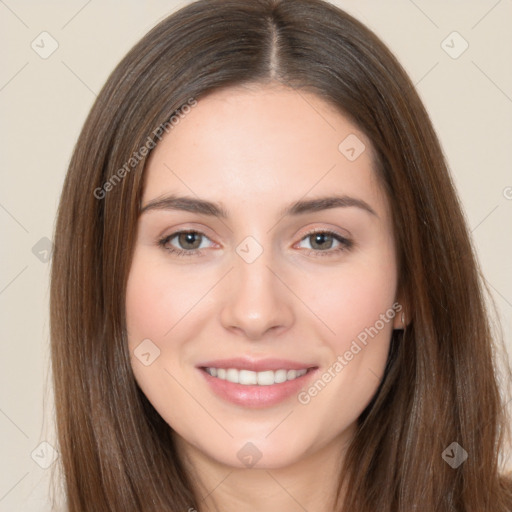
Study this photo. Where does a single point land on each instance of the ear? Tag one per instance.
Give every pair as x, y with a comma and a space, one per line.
402, 312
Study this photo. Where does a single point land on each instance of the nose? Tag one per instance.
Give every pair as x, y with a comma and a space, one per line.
258, 303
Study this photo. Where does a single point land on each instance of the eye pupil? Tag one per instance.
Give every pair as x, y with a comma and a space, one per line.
190, 238
320, 239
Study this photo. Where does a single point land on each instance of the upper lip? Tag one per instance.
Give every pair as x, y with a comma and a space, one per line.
244, 363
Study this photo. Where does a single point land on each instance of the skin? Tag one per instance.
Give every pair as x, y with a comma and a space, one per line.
255, 150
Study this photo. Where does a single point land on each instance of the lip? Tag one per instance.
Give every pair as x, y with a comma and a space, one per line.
252, 396
243, 363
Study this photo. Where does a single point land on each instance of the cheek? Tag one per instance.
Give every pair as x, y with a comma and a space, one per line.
147, 314
156, 299
156, 302
358, 307
356, 302
166, 305
353, 298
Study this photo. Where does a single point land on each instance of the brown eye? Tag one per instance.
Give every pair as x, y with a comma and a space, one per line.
190, 240
321, 241
325, 243
183, 243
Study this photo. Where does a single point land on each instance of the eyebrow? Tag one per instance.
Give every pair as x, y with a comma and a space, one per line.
204, 207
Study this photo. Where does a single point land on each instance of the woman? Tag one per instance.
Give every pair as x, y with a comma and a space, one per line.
323, 344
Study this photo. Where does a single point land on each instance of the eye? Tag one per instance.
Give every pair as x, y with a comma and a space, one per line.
326, 243
189, 242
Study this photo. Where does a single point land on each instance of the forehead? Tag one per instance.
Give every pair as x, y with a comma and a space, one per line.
254, 142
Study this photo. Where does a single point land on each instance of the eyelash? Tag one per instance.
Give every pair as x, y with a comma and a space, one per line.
345, 243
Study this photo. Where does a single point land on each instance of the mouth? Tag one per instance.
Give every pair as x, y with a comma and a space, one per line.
252, 378
256, 384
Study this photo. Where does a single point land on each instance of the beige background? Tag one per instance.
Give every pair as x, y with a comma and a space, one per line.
44, 102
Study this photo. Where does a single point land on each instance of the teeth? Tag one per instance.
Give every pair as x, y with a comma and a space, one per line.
250, 378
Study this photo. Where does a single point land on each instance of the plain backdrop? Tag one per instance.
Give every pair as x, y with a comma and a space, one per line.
44, 100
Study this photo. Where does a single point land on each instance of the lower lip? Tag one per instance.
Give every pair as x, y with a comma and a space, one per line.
256, 396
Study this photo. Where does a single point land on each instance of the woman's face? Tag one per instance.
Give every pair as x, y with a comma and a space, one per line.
288, 271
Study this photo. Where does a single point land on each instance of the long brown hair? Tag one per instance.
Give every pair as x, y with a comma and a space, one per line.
440, 384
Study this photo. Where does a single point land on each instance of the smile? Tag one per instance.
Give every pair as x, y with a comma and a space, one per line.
252, 378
